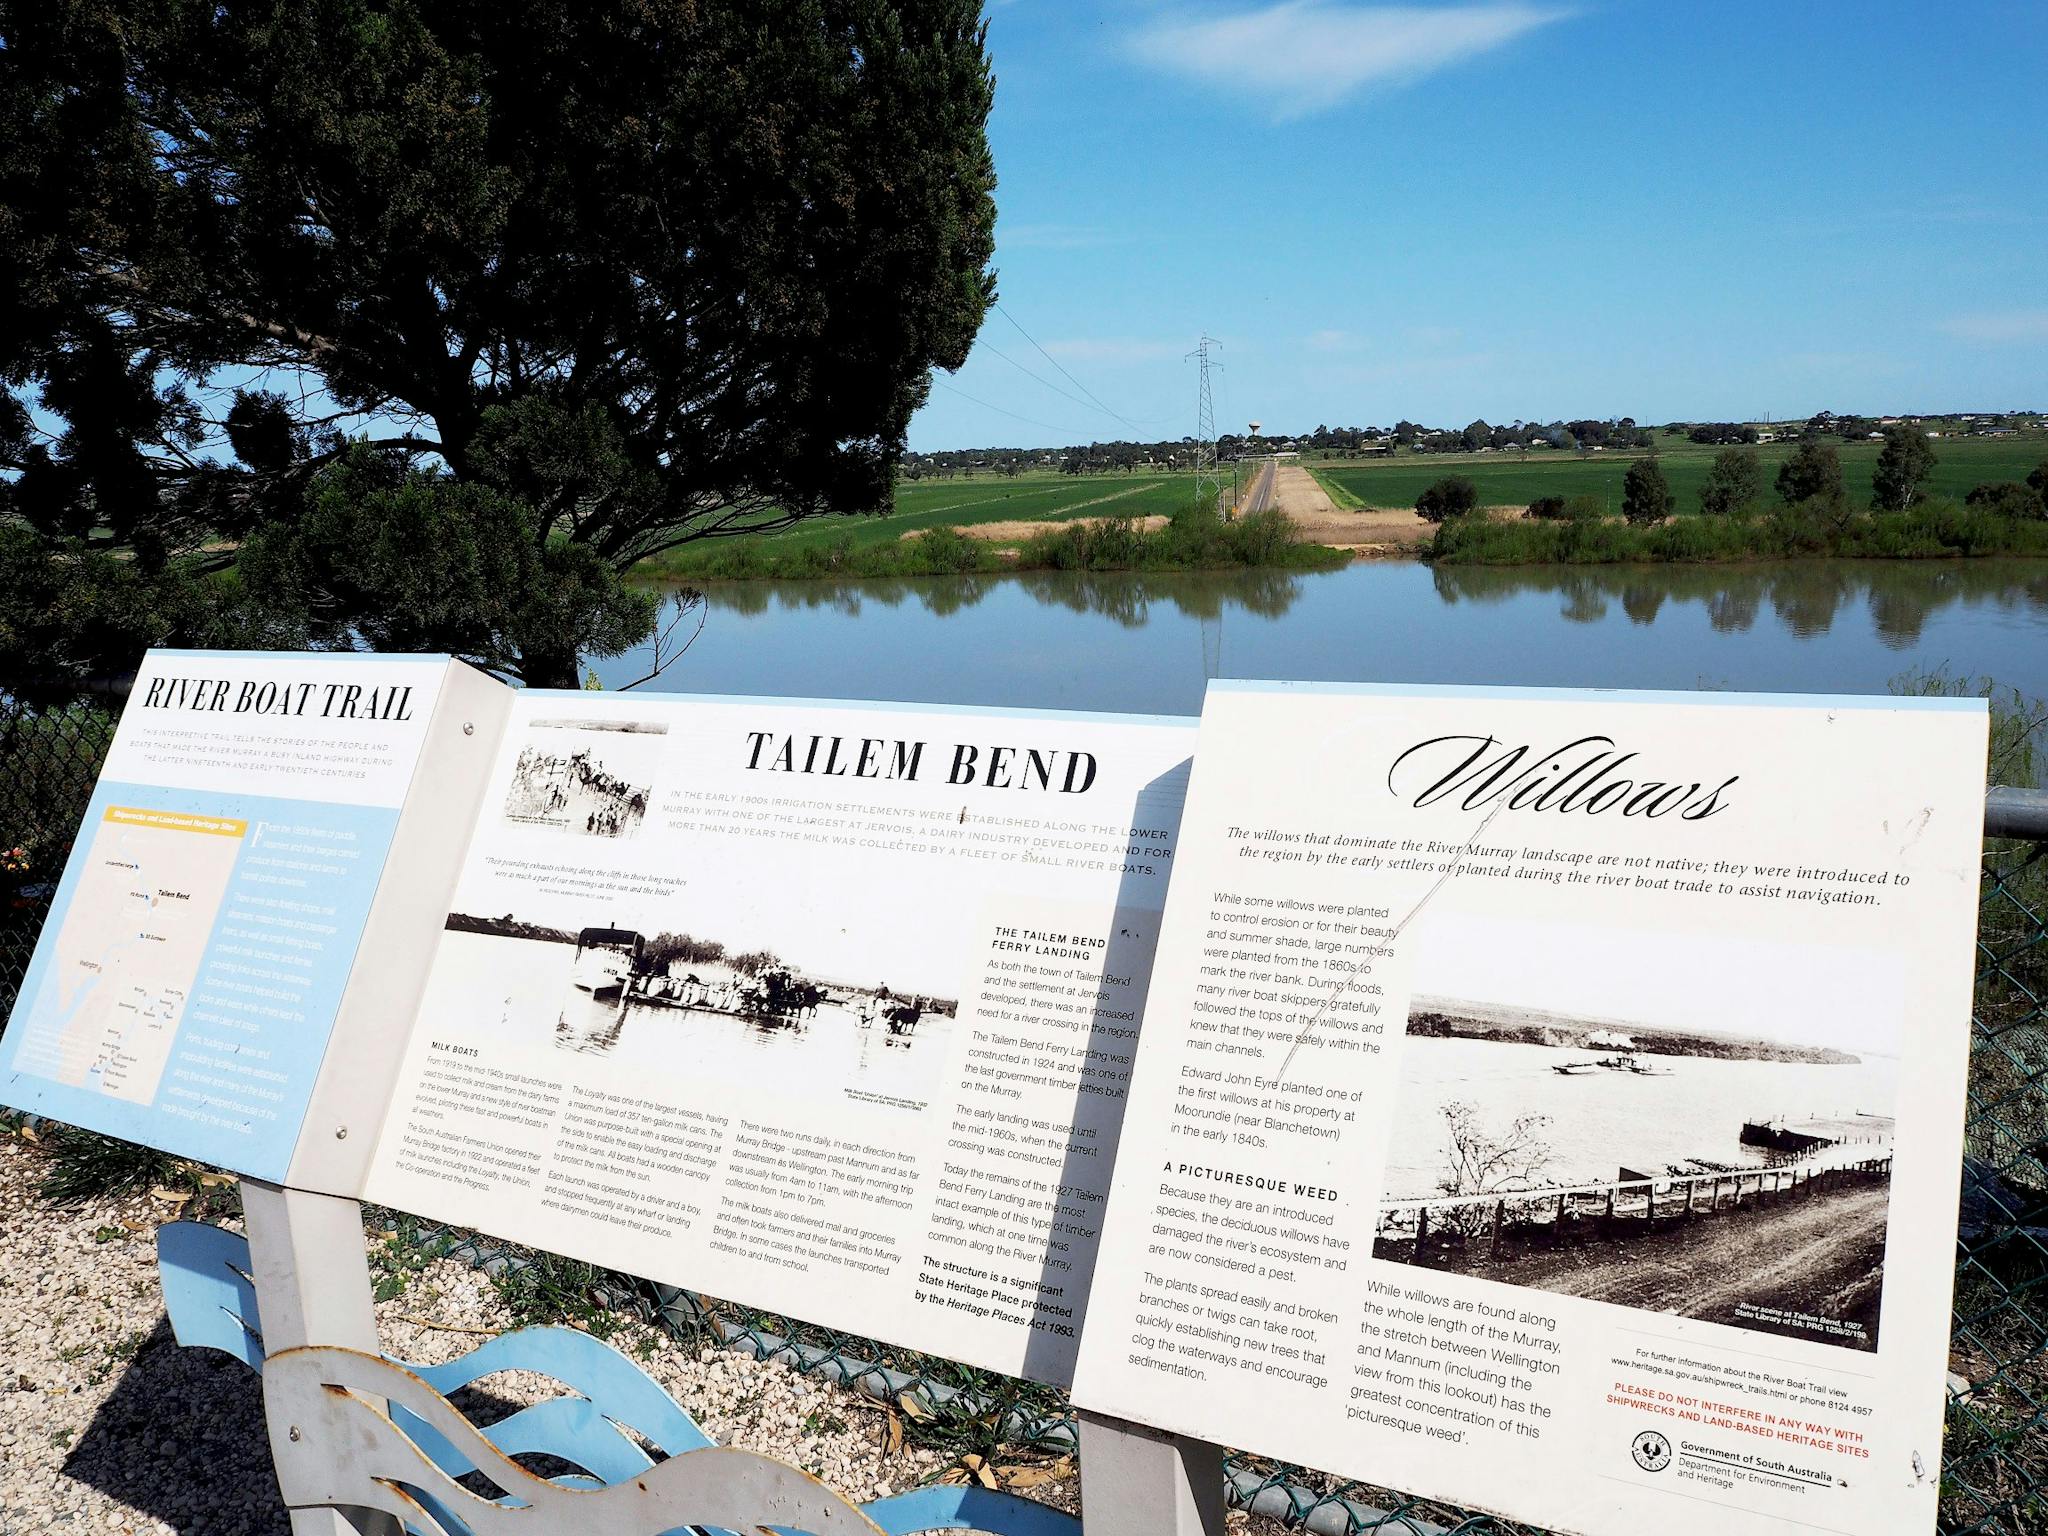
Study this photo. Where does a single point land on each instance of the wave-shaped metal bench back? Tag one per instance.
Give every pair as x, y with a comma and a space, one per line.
599, 1429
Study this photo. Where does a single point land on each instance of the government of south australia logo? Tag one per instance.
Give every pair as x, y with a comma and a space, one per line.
1651, 1451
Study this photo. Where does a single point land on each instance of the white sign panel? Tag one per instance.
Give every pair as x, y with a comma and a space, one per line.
826, 1007
206, 926
1551, 1103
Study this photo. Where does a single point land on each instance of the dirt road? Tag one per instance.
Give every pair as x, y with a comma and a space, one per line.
1373, 531
1822, 1256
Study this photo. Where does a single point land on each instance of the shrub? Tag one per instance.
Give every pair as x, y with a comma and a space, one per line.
1813, 472
1646, 498
1905, 461
944, 552
1452, 496
1584, 508
1734, 480
1807, 527
1549, 508
2008, 498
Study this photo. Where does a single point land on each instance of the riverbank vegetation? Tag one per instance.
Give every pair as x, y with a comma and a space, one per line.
1934, 529
1192, 538
1813, 515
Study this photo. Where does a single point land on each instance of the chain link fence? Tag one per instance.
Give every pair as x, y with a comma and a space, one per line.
49, 759
1995, 1455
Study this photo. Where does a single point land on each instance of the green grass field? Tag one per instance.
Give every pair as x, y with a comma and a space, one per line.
1513, 480
1050, 497
875, 544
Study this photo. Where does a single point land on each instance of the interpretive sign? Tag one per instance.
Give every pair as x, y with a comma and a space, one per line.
209, 921
826, 1006
1551, 1102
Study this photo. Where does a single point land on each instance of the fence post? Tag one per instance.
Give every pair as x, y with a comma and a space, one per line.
1137, 1481
312, 1277
1500, 1209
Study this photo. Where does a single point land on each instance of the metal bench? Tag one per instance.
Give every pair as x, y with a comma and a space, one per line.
357, 1433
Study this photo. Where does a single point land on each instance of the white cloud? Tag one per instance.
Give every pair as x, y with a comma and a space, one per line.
1304, 56
1999, 326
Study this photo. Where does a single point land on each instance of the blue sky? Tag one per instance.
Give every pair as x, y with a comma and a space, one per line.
1625, 207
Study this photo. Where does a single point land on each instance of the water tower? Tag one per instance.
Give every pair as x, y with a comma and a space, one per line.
1255, 428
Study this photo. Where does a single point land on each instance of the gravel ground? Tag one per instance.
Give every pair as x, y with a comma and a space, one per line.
106, 1425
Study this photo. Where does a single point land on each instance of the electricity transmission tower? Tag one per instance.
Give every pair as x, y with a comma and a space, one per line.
1206, 473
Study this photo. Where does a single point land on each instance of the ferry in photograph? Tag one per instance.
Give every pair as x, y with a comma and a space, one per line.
606, 959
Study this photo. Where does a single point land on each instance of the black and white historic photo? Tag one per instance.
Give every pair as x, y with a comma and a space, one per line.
589, 776
1600, 1115
741, 1010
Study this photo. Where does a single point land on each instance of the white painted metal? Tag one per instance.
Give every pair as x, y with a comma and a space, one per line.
1137, 1481
312, 1278
335, 1445
353, 1092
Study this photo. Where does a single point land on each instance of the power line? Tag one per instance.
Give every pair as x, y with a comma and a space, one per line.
1031, 421
1040, 378
1056, 363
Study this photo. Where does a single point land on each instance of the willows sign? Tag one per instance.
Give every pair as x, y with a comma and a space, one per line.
1508, 1121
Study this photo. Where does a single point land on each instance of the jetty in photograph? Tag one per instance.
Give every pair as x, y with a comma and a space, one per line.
1738, 1175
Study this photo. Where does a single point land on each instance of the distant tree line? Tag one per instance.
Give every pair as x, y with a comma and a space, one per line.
1809, 482
1583, 434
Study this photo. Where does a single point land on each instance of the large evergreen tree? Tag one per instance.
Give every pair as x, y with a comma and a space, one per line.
594, 277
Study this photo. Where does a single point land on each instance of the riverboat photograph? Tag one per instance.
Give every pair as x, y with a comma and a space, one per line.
593, 777
744, 1014
1707, 1142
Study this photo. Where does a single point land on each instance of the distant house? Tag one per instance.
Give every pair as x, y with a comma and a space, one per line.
1767, 437
1998, 432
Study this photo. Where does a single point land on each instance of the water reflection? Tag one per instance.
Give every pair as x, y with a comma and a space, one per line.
1807, 597
1151, 643
1125, 598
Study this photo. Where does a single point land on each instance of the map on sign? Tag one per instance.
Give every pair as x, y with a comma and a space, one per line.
149, 889
209, 920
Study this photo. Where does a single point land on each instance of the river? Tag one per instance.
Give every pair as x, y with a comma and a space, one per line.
522, 991
1595, 1123
1149, 643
